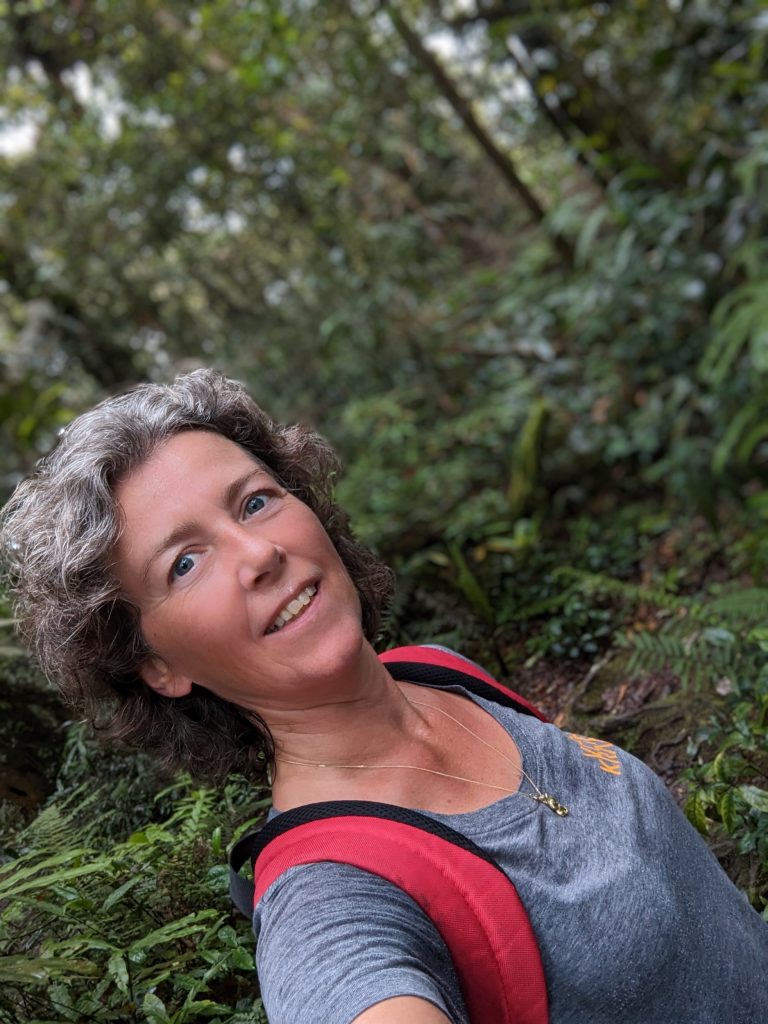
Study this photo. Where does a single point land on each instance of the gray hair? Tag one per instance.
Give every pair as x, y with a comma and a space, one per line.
57, 535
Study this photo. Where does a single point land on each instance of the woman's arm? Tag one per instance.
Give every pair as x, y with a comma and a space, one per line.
403, 1010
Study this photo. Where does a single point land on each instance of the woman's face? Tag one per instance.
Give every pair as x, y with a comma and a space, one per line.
239, 587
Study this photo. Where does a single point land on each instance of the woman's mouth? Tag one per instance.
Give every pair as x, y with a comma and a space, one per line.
294, 608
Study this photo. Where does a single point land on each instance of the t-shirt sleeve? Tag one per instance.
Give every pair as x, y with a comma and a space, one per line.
333, 940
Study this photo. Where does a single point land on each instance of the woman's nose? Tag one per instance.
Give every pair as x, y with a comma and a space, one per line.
258, 558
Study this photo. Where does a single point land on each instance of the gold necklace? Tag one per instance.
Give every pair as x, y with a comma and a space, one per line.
540, 798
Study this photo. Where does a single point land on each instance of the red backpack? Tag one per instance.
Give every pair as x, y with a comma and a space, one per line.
469, 899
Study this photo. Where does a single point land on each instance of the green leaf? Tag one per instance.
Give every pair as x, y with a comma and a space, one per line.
694, 810
756, 797
726, 807
468, 584
718, 637
718, 768
155, 1010
117, 894
243, 959
758, 350
118, 969
26, 970
588, 233
759, 636
13, 887
524, 469
228, 936
192, 924
202, 1008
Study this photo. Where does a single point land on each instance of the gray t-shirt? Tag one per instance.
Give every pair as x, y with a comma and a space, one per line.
635, 919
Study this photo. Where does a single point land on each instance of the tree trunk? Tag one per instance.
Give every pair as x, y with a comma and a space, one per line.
482, 136
552, 110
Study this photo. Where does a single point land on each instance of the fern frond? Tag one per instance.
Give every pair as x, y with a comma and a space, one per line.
195, 813
739, 608
64, 822
748, 606
691, 651
600, 585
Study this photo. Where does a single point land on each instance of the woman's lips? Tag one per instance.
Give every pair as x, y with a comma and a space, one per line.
295, 609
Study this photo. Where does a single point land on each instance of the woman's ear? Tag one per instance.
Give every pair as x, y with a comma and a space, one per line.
162, 679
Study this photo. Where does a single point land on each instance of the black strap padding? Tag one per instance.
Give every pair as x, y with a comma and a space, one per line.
440, 677
240, 889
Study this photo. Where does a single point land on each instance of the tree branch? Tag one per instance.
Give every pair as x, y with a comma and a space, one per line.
463, 109
492, 13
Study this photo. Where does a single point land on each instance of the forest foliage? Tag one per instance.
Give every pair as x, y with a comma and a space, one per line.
509, 256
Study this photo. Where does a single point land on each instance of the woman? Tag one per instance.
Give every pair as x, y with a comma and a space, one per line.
183, 572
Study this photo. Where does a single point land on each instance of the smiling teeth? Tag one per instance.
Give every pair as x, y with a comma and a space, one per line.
293, 608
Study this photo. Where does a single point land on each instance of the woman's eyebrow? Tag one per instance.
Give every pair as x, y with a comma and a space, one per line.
183, 531
178, 535
232, 491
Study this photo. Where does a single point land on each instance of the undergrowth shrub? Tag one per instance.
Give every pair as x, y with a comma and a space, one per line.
93, 928
716, 644
679, 603
728, 780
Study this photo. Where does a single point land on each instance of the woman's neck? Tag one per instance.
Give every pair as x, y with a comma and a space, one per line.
394, 742
368, 718
370, 722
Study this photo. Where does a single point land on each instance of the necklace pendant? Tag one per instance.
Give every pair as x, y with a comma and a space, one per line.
549, 801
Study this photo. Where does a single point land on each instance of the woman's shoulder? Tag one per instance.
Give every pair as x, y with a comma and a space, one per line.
333, 940
323, 882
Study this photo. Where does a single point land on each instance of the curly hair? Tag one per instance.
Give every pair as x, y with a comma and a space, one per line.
60, 527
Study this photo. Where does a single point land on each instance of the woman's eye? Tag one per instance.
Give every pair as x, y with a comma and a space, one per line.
182, 565
256, 503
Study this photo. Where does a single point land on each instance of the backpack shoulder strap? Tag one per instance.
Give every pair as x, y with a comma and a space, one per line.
436, 666
469, 899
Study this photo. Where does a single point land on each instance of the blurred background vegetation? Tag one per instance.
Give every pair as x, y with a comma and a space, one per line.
509, 256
